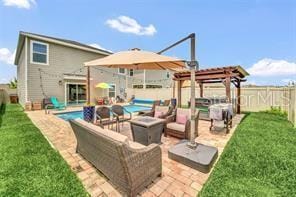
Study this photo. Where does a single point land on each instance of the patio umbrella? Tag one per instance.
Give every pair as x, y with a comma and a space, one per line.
139, 60
103, 85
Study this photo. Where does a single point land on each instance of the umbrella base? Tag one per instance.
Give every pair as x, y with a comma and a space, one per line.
201, 158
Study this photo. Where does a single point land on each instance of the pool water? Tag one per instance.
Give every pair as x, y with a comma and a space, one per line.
79, 114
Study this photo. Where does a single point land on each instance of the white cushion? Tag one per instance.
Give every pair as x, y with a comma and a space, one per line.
184, 111
163, 109
176, 126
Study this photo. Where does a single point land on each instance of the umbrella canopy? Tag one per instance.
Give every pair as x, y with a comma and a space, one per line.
103, 86
138, 59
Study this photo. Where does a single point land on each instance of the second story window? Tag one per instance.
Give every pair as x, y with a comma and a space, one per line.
121, 71
39, 52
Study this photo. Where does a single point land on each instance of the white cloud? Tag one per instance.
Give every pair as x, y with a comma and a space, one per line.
99, 47
7, 56
126, 24
270, 67
20, 3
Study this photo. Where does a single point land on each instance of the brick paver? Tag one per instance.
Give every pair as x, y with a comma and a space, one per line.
177, 179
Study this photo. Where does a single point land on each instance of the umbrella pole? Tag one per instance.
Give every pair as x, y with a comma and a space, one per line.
192, 65
88, 85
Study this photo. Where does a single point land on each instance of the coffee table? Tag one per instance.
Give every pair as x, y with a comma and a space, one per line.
147, 130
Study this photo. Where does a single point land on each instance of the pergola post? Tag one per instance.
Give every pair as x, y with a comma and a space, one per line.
179, 87
88, 85
227, 87
238, 97
201, 89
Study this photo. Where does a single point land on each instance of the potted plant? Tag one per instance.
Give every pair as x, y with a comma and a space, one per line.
89, 112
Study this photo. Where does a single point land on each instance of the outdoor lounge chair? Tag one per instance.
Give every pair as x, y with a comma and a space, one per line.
128, 165
155, 103
56, 104
120, 113
103, 117
180, 128
159, 112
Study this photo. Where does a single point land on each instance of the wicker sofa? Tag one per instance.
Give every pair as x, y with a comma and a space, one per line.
130, 166
181, 131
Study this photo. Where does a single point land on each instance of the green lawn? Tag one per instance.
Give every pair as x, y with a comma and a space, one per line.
259, 160
28, 164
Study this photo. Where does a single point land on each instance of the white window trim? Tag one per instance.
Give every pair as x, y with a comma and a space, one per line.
31, 52
112, 84
122, 73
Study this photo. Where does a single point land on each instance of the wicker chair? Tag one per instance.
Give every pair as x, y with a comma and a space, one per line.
165, 110
155, 103
120, 113
181, 131
130, 166
103, 117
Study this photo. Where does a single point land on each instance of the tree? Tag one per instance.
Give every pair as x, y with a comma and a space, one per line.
13, 83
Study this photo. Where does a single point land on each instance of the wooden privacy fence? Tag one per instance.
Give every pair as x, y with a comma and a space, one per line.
252, 98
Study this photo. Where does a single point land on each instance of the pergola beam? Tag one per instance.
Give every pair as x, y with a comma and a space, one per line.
208, 77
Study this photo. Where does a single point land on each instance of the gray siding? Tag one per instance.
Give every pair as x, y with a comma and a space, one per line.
43, 80
21, 86
48, 80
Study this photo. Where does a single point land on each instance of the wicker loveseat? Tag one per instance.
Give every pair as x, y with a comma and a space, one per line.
173, 128
130, 166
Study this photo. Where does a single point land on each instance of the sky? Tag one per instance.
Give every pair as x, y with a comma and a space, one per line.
258, 35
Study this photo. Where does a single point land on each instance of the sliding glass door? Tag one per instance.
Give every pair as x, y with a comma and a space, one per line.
76, 94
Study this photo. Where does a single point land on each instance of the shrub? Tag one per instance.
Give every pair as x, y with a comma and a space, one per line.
277, 110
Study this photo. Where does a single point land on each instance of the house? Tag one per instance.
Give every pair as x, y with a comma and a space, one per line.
49, 66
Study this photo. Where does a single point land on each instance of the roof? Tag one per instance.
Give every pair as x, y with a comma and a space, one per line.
214, 75
60, 41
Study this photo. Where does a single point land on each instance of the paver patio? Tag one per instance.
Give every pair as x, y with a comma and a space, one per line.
177, 179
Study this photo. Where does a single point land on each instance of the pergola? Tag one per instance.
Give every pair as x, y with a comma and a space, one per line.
225, 75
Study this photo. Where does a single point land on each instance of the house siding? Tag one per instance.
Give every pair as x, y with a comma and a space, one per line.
44, 79
48, 80
21, 77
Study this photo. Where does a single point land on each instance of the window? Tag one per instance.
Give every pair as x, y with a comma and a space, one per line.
148, 86
121, 71
153, 86
136, 86
112, 91
39, 52
131, 72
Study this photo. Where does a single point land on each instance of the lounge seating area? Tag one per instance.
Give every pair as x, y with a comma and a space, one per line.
176, 177
130, 166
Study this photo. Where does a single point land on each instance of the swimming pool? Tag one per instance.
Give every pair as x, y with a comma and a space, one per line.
79, 114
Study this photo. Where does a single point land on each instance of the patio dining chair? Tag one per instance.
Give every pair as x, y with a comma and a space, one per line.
104, 117
121, 115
